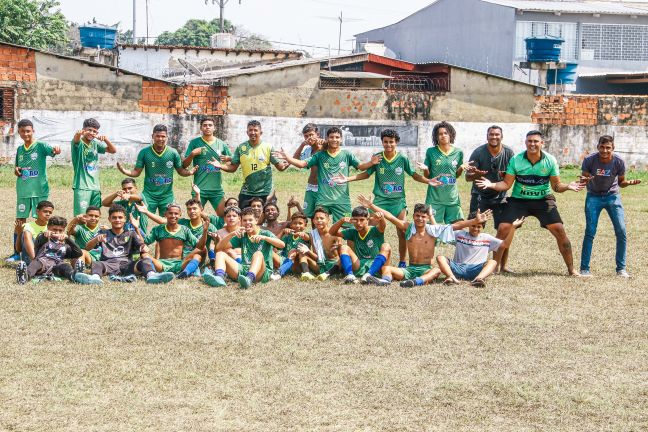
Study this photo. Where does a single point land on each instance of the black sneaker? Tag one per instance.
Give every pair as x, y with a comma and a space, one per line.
21, 273
79, 266
408, 283
182, 275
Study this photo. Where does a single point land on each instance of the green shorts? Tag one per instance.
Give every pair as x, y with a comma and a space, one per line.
364, 266
26, 207
85, 198
95, 254
415, 270
244, 269
214, 198
337, 211
327, 265
310, 199
446, 214
158, 204
393, 206
173, 265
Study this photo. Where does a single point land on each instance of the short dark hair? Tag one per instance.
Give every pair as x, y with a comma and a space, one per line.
116, 208
91, 123
333, 130
57, 221
268, 204
321, 210
535, 132
128, 180
193, 201
44, 204
160, 128
473, 215
25, 123
360, 211
170, 206
448, 127
206, 119
234, 209
230, 199
93, 208
494, 127
255, 199
310, 127
254, 123
298, 215
390, 133
421, 208
604, 139
248, 211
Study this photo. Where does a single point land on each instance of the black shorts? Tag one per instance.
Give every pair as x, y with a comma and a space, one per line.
497, 207
244, 200
114, 266
545, 210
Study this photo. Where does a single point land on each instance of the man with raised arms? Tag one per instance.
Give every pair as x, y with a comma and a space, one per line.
158, 162
128, 197
533, 174
312, 144
199, 152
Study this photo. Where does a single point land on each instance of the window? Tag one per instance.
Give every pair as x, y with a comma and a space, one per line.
566, 31
615, 42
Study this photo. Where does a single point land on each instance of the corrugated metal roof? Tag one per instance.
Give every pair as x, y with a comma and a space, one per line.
353, 74
578, 7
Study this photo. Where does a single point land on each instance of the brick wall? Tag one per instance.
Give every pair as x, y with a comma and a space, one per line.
164, 98
574, 110
17, 64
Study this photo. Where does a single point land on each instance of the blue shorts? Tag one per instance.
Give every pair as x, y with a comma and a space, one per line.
466, 271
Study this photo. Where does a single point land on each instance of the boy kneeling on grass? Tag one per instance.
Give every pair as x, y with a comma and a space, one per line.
470, 260
117, 248
256, 254
52, 247
297, 251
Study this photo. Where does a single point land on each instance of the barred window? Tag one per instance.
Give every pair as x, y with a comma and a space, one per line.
566, 31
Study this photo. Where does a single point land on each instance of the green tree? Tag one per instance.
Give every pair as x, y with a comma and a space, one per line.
195, 32
33, 23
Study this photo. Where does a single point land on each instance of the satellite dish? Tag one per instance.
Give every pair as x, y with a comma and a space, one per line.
191, 68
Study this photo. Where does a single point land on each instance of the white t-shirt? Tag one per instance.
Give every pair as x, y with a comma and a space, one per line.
474, 250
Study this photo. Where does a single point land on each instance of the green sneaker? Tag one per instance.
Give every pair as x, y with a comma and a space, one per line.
244, 281
160, 278
213, 280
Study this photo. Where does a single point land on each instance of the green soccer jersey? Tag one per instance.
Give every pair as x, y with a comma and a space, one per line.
83, 234
256, 164
291, 242
248, 248
328, 166
367, 247
444, 166
33, 163
217, 221
208, 177
85, 162
532, 180
389, 179
158, 170
198, 230
132, 210
183, 234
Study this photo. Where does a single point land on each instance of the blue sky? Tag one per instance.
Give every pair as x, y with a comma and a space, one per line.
296, 21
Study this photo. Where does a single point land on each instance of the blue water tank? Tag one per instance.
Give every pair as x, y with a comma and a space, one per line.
97, 35
563, 76
543, 49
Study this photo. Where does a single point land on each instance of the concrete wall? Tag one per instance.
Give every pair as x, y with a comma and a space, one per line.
468, 33
294, 92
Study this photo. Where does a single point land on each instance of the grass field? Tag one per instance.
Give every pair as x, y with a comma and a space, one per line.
533, 351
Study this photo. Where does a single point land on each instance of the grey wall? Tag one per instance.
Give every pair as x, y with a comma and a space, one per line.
468, 33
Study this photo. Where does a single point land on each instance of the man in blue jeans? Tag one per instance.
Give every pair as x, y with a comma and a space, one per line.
604, 173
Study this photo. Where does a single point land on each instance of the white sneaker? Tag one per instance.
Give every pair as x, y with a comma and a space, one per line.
275, 276
623, 274
365, 279
586, 273
350, 279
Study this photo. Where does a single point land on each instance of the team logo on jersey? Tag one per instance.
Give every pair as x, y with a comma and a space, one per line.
343, 165
305, 204
83, 204
21, 207
454, 163
244, 148
544, 171
382, 170
398, 170
169, 164
326, 165
33, 156
370, 243
261, 158
152, 164
118, 251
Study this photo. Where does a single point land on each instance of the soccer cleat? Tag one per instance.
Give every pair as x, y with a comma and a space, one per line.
159, 278
79, 266
116, 278
478, 283
586, 273
365, 279
244, 281
350, 279
323, 276
21, 272
212, 280
307, 277
377, 281
275, 276
13, 258
86, 279
408, 283
129, 278
623, 273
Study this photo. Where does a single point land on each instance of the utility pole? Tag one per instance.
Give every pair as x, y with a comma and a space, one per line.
147, 28
221, 4
340, 34
340, 19
134, 21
